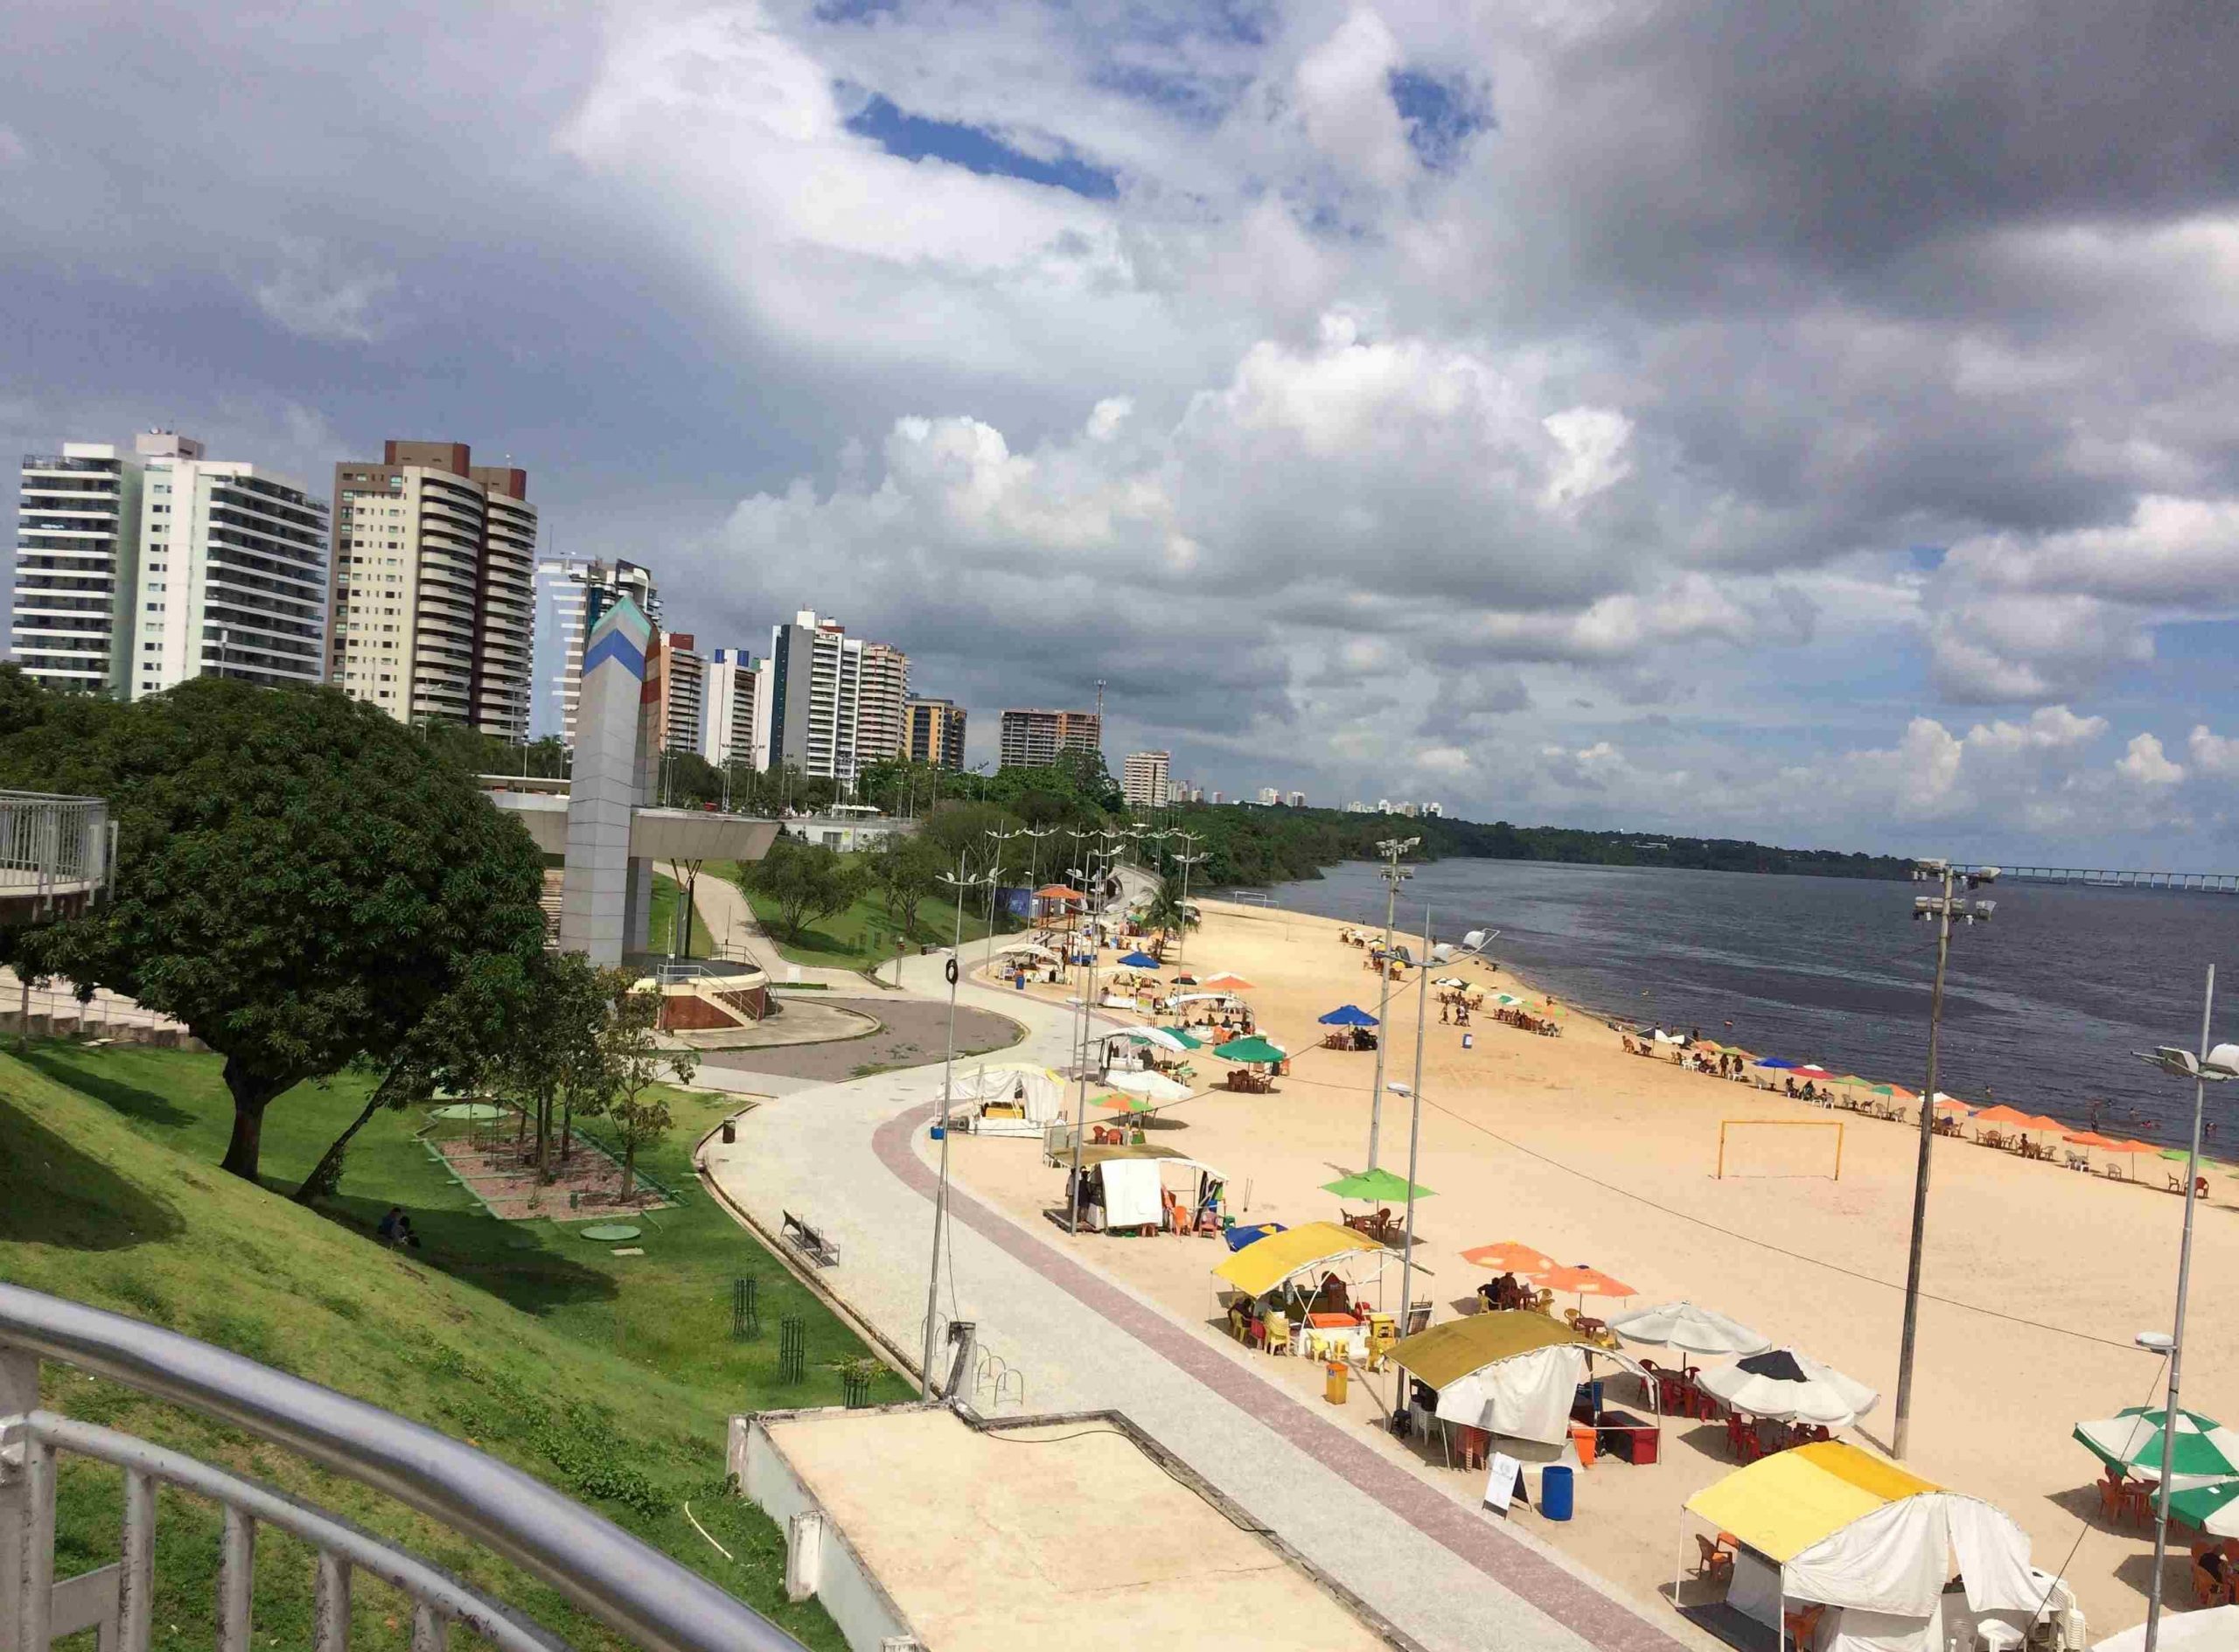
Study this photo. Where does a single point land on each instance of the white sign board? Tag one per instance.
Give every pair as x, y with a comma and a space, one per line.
1501, 1477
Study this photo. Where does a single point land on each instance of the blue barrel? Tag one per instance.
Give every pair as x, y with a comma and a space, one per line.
1018, 983
1555, 1491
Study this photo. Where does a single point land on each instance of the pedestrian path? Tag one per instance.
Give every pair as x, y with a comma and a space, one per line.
851, 1158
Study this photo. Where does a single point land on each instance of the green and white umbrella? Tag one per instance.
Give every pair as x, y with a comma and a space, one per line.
2206, 1451
2212, 1508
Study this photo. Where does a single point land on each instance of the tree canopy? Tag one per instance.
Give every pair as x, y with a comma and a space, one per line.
300, 879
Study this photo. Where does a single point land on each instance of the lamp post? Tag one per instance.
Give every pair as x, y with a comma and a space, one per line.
1393, 874
1185, 861
1087, 873
994, 875
940, 1191
2209, 1066
1942, 909
1473, 944
1033, 836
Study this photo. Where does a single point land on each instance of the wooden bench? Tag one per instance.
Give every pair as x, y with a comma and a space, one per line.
806, 1238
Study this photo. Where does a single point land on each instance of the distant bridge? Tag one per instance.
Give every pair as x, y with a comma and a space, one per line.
2100, 877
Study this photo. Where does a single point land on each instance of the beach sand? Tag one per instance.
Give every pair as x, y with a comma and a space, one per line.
1601, 1157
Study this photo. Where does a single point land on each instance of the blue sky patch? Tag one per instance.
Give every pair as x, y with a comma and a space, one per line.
1441, 116
914, 139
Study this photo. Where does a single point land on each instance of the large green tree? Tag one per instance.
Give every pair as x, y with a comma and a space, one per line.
806, 881
300, 880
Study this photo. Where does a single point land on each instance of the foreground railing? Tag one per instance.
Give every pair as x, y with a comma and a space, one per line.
634, 1589
51, 845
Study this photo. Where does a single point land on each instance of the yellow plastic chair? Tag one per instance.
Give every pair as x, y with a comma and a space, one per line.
1279, 1335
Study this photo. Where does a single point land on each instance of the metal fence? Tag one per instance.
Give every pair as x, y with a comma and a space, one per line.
634, 1589
52, 845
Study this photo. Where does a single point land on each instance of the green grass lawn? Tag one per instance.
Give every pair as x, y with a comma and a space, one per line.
611, 1378
661, 929
863, 937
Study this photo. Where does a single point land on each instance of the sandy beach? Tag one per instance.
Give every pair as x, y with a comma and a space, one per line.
2039, 1277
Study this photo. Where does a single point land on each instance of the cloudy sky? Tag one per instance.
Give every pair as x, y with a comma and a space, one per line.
1808, 421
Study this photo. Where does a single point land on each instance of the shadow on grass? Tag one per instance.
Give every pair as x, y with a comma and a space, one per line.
516, 1262
75, 1069
61, 1195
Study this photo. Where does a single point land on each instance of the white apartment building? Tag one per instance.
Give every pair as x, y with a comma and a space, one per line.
571, 594
1296, 799
1269, 797
434, 586
137, 571
731, 699
811, 714
1031, 738
77, 567
1143, 779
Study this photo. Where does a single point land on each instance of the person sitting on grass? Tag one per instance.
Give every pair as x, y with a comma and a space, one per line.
406, 1238
385, 1232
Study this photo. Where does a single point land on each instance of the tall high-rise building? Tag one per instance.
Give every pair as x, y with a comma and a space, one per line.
684, 692
77, 567
1296, 799
936, 733
815, 676
572, 593
1269, 797
727, 727
136, 572
1032, 739
434, 561
882, 730
1143, 779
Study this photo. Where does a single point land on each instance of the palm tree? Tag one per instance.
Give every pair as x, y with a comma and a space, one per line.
1166, 911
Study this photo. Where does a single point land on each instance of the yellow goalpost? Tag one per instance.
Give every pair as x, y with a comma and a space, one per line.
1835, 1125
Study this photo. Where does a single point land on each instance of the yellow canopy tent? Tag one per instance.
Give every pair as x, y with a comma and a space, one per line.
1459, 1347
1265, 1263
1871, 1545
1500, 1371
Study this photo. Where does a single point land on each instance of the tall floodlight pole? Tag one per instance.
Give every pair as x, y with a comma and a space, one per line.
1941, 910
1084, 872
940, 1188
2215, 1065
994, 876
1393, 874
1033, 836
1473, 944
1185, 861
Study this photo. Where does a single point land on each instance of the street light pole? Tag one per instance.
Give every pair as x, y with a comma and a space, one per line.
940, 1191
1393, 874
1473, 944
1941, 908
2201, 1070
1080, 1110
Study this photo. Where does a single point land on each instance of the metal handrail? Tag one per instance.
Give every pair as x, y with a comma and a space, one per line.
626, 1584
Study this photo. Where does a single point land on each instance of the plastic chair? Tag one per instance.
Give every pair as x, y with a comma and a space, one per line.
1803, 1625
1277, 1333
1713, 1563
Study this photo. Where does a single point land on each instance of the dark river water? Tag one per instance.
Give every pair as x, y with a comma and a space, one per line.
2042, 1005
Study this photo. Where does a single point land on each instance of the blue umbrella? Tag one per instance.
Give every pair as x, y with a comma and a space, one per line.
1775, 1060
1140, 960
1238, 1238
1348, 1015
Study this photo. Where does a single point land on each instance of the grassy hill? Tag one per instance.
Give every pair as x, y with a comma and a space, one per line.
610, 1377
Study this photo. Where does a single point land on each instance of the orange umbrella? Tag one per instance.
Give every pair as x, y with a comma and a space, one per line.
2003, 1114
1057, 892
1582, 1281
1948, 1104
1226, 982
1510, 1256
2090, 1138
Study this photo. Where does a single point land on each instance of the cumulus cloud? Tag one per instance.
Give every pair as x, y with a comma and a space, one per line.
2146, 765
312, 295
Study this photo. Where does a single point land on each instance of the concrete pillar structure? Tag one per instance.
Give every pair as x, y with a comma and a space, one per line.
605, 899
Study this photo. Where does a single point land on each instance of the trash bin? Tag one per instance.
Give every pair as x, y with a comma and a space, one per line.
1555, 1491
731, 1130
1018, 983
938, 1132
1333, 1388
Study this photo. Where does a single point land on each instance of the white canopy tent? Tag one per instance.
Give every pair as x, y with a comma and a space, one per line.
1006, 1100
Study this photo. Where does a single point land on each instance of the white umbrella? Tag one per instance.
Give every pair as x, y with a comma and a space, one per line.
1157, 1038
2216, 1627
1152, 1086
1790, 1387
1691, 1329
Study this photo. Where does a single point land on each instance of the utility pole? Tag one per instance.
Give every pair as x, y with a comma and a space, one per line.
1940, 909
1087, 873
948, 1062
1185, 861
1393, 874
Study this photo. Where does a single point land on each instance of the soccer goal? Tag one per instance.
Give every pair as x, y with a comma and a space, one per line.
1773, 1148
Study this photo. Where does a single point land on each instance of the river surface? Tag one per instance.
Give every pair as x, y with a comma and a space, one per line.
2043, 1005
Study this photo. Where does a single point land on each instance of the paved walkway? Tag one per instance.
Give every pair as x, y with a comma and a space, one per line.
739, 937
851, 1158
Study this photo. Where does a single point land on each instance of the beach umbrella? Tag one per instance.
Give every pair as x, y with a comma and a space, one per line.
2214, 1509
2130, 1440
1156, 1086
1508, 1001
1736, 1049
1791, 1387
1255, 1049
2214, 1630
1773, 1061
1239, 1237
1581, 1282
1813, 1069
2003, 1114
1896, 1092
1158, 1038
1185, 979
1182, 1038
1124, 1104
1057, 892
1510, 1256
1375, 1186
1450, 980
1948, 1104
2089, 1139
1138, 960
1226, 982
1348, 1015
1691, 1329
